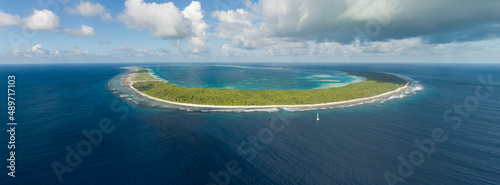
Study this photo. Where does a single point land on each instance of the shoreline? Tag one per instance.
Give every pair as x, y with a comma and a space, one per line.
129, 83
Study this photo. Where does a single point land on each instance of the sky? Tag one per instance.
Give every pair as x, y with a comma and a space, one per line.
337, 31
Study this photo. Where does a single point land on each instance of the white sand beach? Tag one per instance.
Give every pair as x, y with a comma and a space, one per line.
129, 82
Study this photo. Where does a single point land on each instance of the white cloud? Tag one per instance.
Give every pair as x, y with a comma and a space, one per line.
226, 50
330, 18
141, 52
9, 20
42, 20
238, 27
31, 52
47, 20
101, 54
166, 21
78, 52
83, 31
88, 9
163, 20
297, 16
407, 49
270, 22
14, 52
37, 50
106, 17
198, 42
368, 10
240, 16
57, 53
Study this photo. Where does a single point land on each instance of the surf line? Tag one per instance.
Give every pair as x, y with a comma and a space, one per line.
130, 84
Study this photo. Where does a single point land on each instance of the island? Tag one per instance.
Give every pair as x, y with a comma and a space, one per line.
376, 85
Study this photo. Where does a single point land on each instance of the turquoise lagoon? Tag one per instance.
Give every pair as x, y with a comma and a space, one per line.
250, 78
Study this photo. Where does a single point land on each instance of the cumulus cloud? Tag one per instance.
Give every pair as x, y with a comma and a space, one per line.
291, 28
83, 31
194, 13
163, 20
226, 50
37, 50
42, 20
237, 26
88, 9
166, 21
398, 19
345, 21
9, 20
30, 52
414, 48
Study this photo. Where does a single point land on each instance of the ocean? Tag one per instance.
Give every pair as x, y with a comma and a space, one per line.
59, 105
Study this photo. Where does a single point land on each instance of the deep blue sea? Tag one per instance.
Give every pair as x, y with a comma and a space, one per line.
56, 104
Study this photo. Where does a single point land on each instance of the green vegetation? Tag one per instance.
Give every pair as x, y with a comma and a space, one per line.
143, 75
376, 83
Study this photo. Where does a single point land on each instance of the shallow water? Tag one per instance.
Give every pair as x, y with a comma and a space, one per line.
353, 144
234, 77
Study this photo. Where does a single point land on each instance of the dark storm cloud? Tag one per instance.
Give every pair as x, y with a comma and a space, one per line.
439, 21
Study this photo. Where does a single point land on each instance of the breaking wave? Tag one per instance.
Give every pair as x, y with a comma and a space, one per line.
118, 87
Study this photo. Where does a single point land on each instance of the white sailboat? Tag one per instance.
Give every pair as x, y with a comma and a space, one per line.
317, 116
